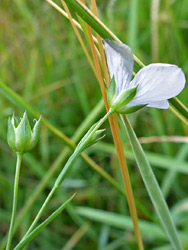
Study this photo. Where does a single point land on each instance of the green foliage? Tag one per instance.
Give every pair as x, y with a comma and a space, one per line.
42, 61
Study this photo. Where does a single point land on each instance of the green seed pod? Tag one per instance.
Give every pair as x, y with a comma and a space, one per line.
20, 137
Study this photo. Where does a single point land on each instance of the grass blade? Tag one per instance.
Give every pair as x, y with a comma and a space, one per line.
133, 25
179, 106
150, 230
152, 187
38, 229
73, 241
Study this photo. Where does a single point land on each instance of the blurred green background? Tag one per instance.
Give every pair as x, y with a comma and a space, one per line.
42, 60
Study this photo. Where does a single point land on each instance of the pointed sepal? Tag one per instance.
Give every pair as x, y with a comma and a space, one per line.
23, 134
11, 135
129, 110
123, 99
97, 136
35, 134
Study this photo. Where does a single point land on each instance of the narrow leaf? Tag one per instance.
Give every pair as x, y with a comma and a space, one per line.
37, 230
150, 231
152, 186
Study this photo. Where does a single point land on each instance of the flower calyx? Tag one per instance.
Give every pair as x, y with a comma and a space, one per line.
20, 137
118, 102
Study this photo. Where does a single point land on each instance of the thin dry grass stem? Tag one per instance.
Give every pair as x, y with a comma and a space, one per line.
79, 36
126, 179
63, 13
94, 38
178, 115
66, 15
76, 237
50, 88
102, 55
97, 65
117, 140
151, 139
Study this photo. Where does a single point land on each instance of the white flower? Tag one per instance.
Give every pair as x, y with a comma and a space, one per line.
156, 83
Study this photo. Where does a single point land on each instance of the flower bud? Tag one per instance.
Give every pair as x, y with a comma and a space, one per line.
98, 135
20, 137
89, 139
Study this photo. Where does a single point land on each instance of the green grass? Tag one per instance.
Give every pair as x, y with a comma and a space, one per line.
42, 61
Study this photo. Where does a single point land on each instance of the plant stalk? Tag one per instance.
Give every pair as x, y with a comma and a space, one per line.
15, 196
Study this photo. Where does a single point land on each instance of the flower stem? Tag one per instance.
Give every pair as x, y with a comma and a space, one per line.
67, 168
15, 195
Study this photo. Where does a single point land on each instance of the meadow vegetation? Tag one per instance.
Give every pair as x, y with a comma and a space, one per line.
43, 62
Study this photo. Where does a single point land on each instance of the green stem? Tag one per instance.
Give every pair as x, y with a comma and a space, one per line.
15, 195
67, 168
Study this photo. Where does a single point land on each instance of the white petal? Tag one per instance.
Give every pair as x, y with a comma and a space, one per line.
157, 82
160, 104
120, 63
